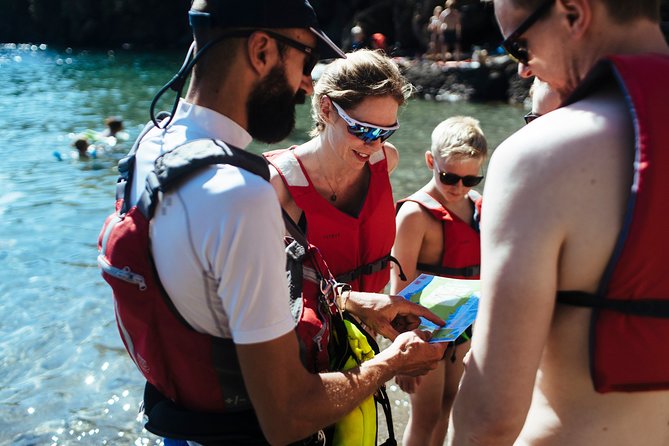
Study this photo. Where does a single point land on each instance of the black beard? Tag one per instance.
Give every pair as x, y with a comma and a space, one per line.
271, 107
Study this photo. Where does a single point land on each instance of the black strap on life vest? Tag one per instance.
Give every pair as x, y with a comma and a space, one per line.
371, 268
467, 271
638, 307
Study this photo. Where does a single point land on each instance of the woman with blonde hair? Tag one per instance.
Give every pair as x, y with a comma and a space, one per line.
336, 185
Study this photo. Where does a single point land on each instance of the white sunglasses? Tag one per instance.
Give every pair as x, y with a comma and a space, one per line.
364, 131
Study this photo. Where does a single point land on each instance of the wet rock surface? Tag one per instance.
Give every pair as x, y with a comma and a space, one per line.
494, 79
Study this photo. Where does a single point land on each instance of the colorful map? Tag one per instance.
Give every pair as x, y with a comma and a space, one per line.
454, 300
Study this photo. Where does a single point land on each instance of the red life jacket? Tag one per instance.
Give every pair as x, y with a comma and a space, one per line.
630, 326
461, 256
195, 389
356, 248
180, 362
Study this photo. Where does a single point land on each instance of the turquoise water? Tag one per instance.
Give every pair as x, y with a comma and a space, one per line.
64, 375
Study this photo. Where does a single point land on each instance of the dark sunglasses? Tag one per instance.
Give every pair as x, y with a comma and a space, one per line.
311, 56
451, 179
514, 45
529, 117
364, 131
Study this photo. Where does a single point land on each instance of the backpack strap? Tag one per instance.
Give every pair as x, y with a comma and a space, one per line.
174, 166
295, 253
126, 170
294, 230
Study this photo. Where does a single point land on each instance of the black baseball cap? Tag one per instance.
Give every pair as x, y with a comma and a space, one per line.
258, 14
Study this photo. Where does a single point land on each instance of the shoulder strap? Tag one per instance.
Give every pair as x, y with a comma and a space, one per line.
426, 200
294, 230
174, 166
639, 307
126, 170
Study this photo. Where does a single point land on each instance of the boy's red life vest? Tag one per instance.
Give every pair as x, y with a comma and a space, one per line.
630, 319
356, 248
461, 255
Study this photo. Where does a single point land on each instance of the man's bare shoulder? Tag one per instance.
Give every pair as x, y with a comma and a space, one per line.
574, 165
575, 135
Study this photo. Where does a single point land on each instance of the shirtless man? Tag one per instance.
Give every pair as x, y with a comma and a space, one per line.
556, 198
451, 29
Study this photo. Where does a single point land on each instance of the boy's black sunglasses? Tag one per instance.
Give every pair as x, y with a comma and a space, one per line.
513, 44
451, 179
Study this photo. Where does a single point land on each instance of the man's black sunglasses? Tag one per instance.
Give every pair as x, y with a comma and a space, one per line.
514, 45
311, 56
529, 117
451, 179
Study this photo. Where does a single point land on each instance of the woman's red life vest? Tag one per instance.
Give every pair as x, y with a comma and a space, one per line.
356, 248
461, 255
630, 320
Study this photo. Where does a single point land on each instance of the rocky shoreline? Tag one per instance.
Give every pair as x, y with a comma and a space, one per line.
483, 80
488, 79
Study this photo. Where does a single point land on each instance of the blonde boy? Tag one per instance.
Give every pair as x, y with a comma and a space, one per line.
437, 233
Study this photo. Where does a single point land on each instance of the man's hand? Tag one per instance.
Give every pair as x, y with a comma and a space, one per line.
389, 315
408, 383
411, 354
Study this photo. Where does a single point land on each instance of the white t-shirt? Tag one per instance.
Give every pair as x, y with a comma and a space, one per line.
217, 240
